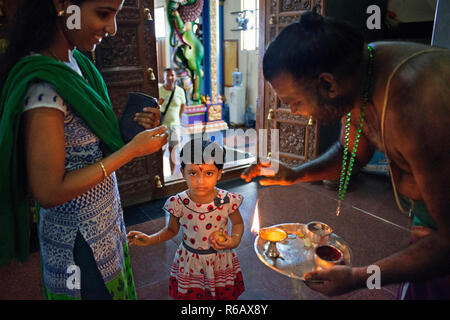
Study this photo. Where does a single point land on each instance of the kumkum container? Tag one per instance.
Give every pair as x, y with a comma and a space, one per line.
327, 256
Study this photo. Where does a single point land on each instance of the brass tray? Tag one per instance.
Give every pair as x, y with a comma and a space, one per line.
295, 260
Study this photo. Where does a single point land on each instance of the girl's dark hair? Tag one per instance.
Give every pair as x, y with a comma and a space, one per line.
198, 151
32, 30
313, 45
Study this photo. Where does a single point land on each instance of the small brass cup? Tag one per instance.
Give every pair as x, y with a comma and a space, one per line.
273, 235
318, 232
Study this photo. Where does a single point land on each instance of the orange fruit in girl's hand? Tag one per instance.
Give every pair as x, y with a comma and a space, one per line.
219, 236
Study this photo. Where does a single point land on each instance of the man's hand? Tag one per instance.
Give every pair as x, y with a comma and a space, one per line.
283, 176
334, 281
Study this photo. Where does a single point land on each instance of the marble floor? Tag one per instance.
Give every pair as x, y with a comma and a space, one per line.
370, 223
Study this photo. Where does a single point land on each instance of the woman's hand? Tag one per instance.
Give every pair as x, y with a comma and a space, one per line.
136, 238
275, 172
149, 119
148, 142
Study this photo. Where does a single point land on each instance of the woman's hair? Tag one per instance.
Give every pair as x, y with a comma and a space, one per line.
199, 151
32, 30
313, 45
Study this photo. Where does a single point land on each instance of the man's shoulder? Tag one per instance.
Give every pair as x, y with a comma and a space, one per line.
179, 89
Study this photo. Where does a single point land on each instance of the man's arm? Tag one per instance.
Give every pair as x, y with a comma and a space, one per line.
416, 134
326, 166
182, 109
420, 134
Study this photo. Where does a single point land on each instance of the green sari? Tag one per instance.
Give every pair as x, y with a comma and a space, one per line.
89, 98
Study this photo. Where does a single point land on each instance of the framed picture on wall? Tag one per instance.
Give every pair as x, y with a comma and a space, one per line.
230, 60
214, 112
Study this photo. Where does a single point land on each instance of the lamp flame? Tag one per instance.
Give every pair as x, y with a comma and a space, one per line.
255, 224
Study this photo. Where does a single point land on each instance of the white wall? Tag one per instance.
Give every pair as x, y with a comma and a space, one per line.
158, 4
248, 60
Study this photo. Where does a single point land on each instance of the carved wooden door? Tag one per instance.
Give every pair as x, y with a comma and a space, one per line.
298, 141
128, 63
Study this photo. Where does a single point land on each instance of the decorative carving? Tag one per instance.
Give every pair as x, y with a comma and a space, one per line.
130, 3
123, 61
122, 49
286, 115
295, 5
287, 20
131, 190
133, 169
312, 142
123, 76
119, 96
128, 15
293, 132
273, 6
272, 101
284, 106
292, 138
273, 32
291, 162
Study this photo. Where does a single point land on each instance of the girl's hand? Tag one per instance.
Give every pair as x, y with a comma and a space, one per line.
148, 142
222, 242
136, 238
149, 119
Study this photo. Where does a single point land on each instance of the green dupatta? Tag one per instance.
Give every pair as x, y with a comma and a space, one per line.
87, 96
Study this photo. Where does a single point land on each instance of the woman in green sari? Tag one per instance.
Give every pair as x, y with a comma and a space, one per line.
60, 142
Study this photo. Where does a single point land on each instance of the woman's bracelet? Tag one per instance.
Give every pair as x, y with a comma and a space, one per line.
236, 234
104, 170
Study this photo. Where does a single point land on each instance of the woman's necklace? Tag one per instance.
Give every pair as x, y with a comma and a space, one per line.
346, 170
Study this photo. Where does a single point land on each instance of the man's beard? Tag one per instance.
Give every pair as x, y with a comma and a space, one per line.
331, 110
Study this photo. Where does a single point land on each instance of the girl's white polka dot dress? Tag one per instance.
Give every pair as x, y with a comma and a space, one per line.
197, 273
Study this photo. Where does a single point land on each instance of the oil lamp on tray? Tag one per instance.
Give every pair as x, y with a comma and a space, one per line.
295, 249
271, 234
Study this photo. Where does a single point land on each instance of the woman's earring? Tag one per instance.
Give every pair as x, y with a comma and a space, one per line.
310, 121
60, 13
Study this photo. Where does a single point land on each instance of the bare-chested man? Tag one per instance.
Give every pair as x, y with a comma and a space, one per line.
323, 69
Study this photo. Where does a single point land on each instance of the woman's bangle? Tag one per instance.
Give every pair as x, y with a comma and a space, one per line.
236, 234
104, 170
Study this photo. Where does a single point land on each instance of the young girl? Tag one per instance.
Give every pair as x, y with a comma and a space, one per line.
205, 265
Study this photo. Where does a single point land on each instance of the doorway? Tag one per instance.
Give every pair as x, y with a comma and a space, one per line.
235, 138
